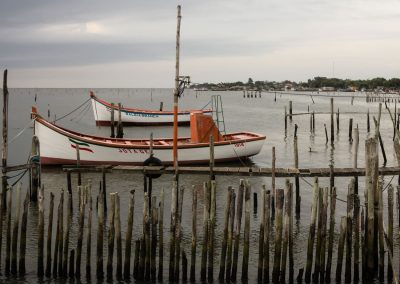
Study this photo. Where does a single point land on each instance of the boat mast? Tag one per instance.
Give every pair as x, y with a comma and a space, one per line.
176, 91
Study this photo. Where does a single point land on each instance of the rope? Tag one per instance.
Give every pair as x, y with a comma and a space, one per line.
209, 102
19, 133
64, 116
81, 114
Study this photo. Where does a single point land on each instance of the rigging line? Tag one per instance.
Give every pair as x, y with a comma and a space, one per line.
83, 111
209, 102
73, 110
23, 129
83, 114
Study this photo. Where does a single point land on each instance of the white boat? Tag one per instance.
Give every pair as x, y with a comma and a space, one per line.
131, 116
58, 145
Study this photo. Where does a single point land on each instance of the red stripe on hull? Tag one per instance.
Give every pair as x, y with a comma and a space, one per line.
47, 161
83, 149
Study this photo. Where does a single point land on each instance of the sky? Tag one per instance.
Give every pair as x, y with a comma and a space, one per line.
131, 44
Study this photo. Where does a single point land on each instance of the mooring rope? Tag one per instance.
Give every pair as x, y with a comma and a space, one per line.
64, 116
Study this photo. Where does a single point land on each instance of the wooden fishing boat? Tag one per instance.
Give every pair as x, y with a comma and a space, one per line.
131, 116
58, 145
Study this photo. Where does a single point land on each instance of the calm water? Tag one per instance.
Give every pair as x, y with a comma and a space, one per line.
262, 115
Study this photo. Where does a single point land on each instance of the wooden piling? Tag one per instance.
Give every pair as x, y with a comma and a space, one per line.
285, 121
261, 238
356, 221
290, 110
22, 243
278, 235
368, 122
49, 236
40, 266
332, 124
1, 223
128, 236
351, 130
211, 232
273, 183
381, 234
296, 178
194, 235
342, 238
326, 134
317, 265
324, 216
100, 228
230, 237
174, 202
112, 121
89, 239
337, 121
178, 233
78, 164
111, 237
184, 266
355, 157
8, 233
66, 239
120, 130
390, 231
332, 208
267, 228
14, 244
161, 106
313, 121
246, 237
286, 234
239, 211
206, 212
146, 236
311, 234
371, 159
5, 144
154, 221
349, 230
225, 235
58, 240
161, 236
118, 237
81, 223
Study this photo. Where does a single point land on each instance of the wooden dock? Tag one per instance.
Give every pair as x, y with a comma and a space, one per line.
241, 171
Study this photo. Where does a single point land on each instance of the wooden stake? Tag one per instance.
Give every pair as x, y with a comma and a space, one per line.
8, 232
246, 237
81, 224
278, 235
230, 237
286, 233
206, 213
89, 239
22, 244
211, 229
267, 228
111, 237
174, 202
237, 230
40, 267
15, 232
194, 235
128, 237
100, 228
261, 238
161, 236
323, 235
350, 130
381, 234
341, 249
311, 235
356, 221
1, 224
390, 231
146, 233
118, 237
71, 264
332, 124
49, 236
136, 260
66, 239
331, 234
349, 230
154, 220
273, 183
112, 121
317, 266
58, 236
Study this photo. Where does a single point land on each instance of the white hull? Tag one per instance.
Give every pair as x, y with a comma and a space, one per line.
102, 115
57, 147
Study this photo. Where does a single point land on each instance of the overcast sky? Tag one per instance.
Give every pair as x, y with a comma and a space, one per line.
103, 43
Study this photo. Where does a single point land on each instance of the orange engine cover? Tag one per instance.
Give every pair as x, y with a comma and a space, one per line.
202, 127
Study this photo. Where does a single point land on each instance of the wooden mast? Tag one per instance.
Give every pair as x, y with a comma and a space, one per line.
176, 92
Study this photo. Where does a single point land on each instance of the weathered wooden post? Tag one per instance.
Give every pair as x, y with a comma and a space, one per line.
89, 239
211, 232
66, 239
22, 243
246, 237
40, 267
332, 124
35, 168
261, 237
273, 183
368, 122
120, 129
278, 235
78, 165
266, 209
225, 235
161, 235
286, 234
317, 265
154, 221
194, 236
161, 106
15, 232
81, 224
100, 228
285, 121
112, 121
57, 240
311, 235
49, 236
356, 221
111, 237
351, 130
390, 231
1, 224
331, 233
297, 178
118, 237
174, 202
337, 121
239, 211
8, 233
128, 237
341, 249
290, 110
5, 145
349, 230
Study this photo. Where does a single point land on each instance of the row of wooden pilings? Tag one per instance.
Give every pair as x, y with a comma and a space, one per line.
251, 94
362, 230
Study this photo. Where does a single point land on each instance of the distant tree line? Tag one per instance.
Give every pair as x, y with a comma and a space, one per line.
316, 83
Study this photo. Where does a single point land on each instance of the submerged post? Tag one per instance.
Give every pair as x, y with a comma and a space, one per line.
35, 168
5, 145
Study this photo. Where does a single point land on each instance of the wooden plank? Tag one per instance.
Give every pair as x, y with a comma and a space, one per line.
18, 167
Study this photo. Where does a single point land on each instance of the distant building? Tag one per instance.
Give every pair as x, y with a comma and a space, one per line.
327, 89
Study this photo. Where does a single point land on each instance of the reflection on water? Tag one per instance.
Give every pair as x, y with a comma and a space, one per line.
263, 115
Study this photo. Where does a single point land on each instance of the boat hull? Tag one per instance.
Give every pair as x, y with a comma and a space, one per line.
102, 115
58, 147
